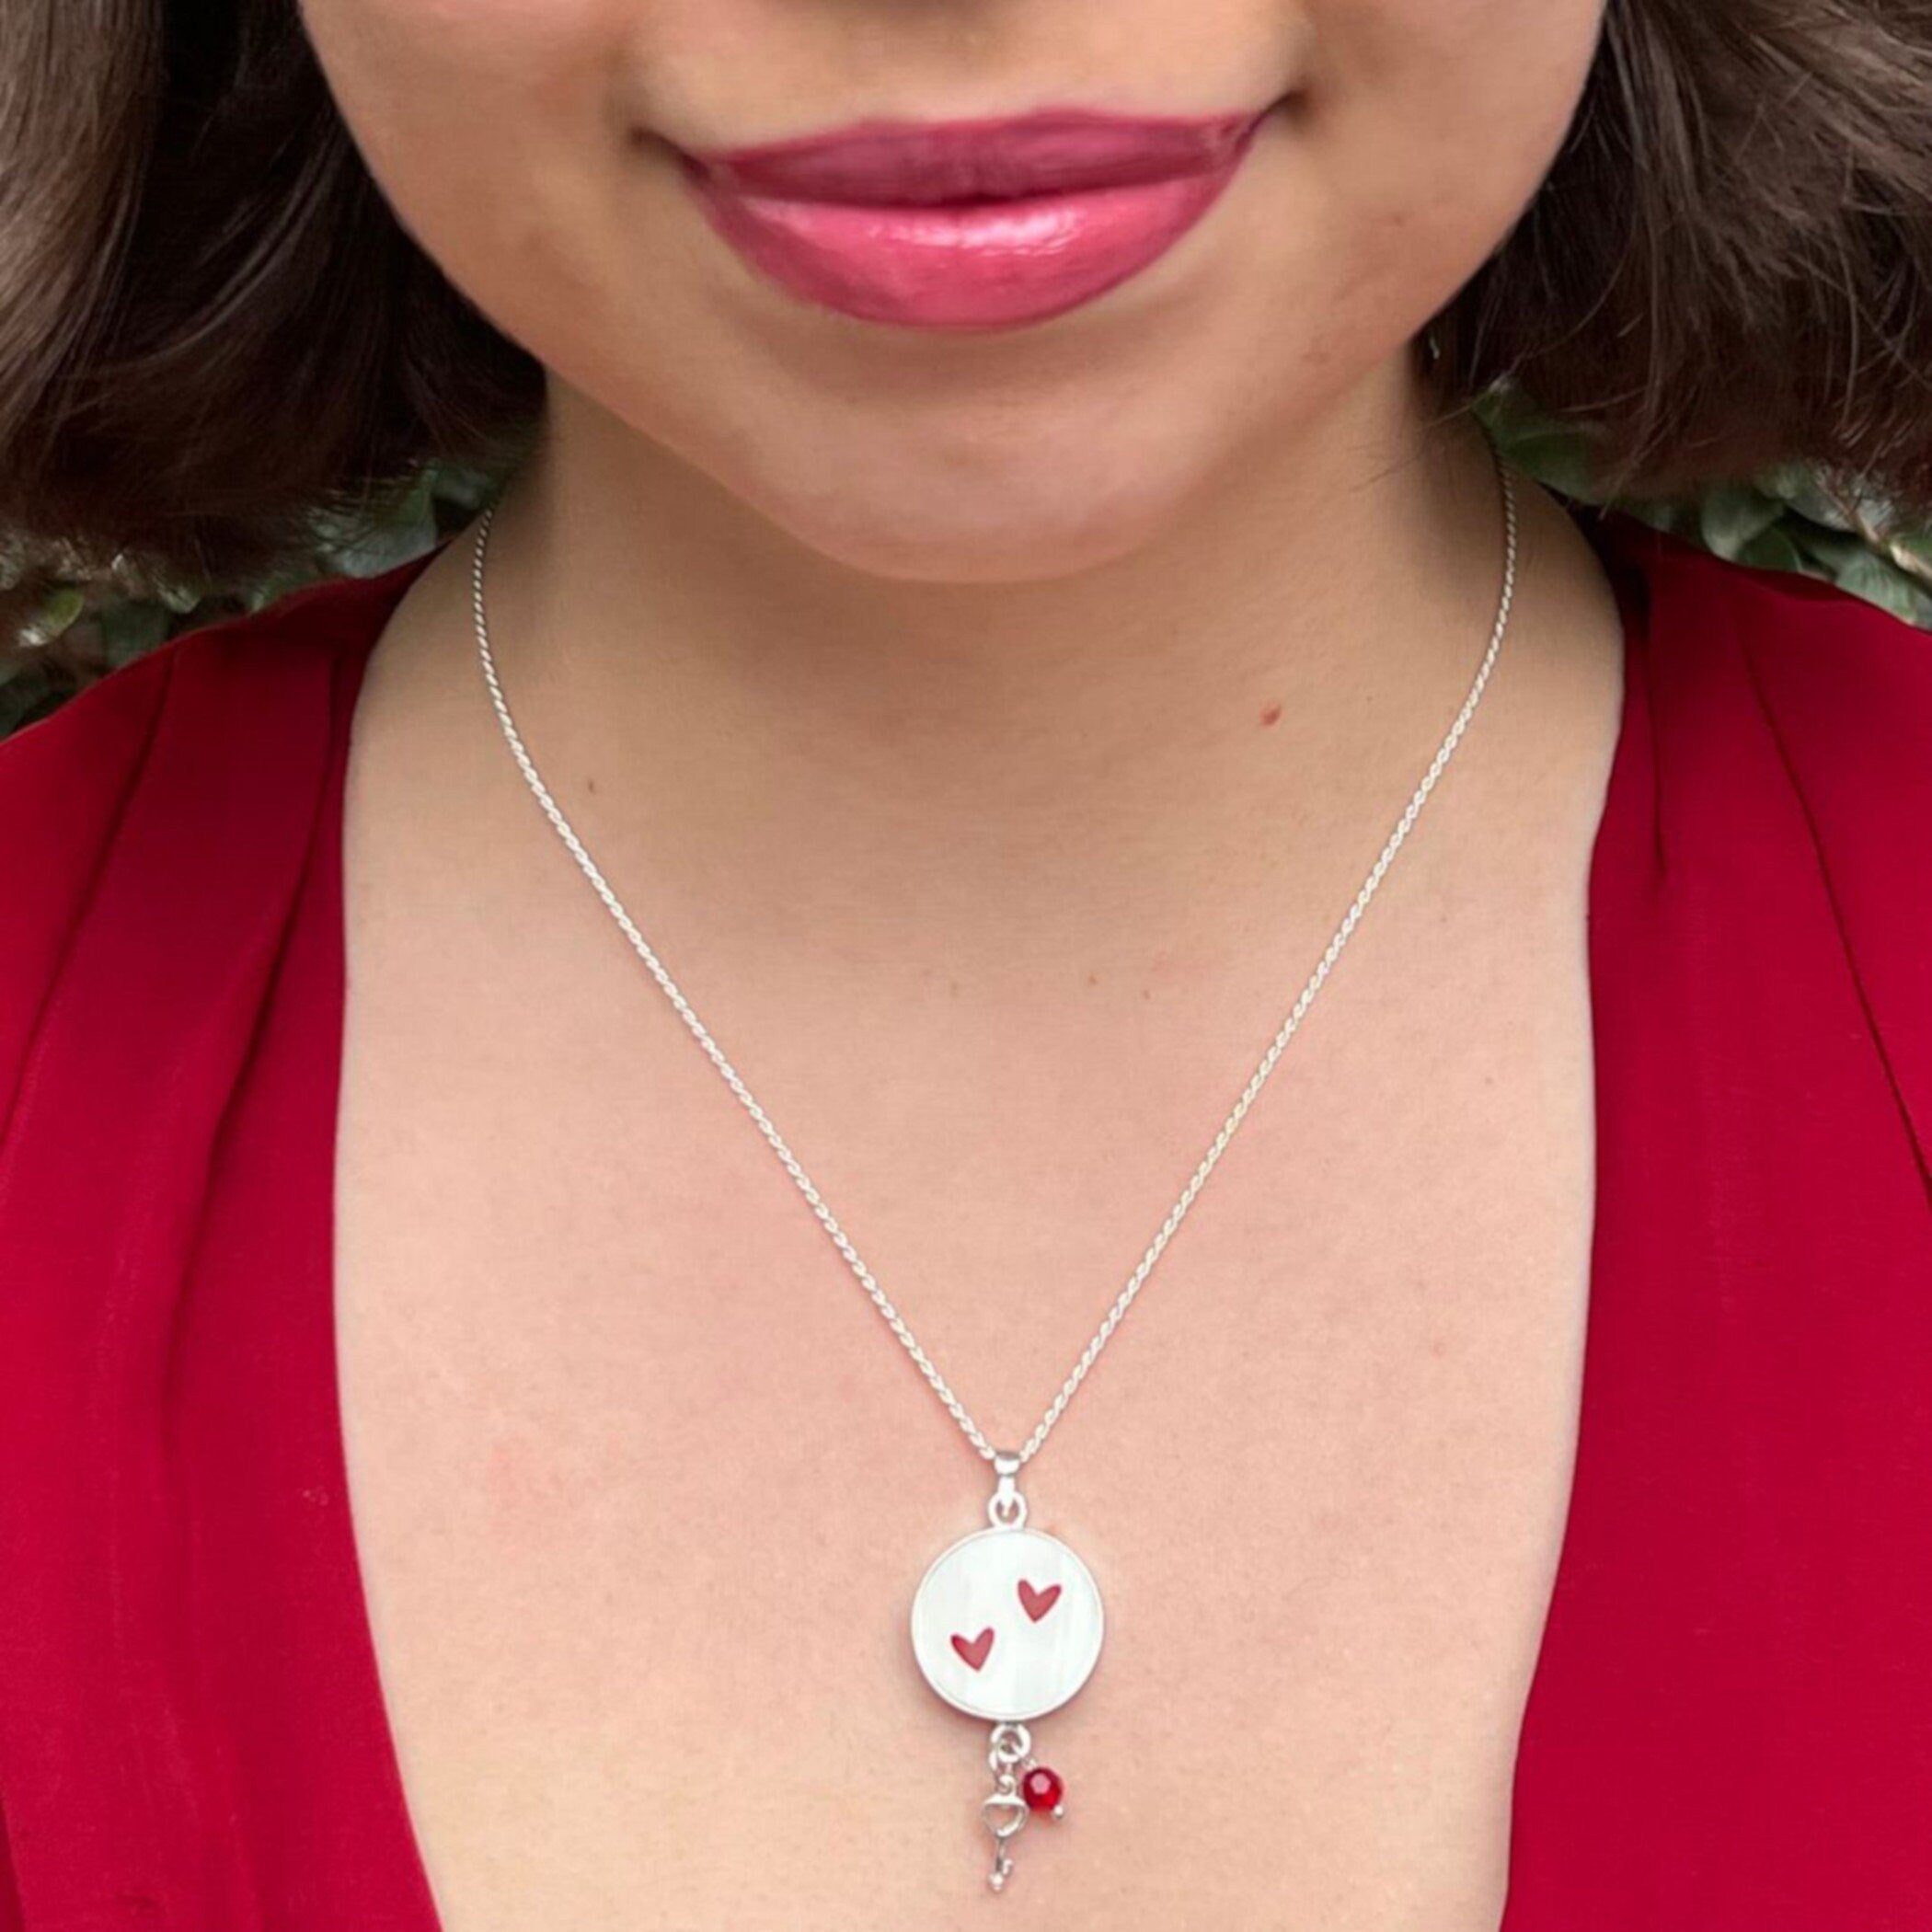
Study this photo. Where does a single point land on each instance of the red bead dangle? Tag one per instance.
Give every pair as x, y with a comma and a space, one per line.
1021, 1787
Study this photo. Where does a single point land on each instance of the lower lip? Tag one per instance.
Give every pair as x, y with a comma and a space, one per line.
992, 264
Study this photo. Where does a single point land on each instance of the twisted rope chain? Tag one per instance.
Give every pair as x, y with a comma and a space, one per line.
1091, 1353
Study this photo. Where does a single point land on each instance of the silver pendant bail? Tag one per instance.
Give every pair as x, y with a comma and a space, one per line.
1007, 1509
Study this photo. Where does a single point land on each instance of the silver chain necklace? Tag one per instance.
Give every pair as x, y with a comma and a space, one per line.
1006, 1623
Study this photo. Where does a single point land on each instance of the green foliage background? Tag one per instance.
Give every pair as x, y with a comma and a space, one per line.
59, 629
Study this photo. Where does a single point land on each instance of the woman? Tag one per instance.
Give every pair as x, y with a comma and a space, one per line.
995, 536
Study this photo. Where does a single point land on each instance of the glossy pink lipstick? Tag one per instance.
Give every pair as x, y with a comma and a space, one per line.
969, 224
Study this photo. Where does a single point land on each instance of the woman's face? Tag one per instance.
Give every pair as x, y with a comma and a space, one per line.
961, 392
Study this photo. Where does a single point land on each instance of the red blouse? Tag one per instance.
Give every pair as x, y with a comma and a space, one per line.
1730, 1727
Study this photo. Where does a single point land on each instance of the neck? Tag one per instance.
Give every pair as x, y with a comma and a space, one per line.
1135, 747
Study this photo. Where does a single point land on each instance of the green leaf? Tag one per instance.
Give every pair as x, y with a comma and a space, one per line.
61, 608
1777, 549
1885, 584
1733, 514
129, 630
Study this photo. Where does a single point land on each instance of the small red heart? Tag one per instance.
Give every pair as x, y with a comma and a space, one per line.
974, 1653
1037, 1603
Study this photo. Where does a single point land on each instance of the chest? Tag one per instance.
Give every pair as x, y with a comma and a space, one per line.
643, 1483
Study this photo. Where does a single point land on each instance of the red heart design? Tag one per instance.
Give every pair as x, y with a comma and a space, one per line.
1037, 1603
974, 1653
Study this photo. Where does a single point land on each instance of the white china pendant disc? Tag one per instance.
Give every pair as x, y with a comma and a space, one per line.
1006, 1624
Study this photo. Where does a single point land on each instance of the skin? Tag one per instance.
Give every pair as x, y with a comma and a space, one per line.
528, 143
989, 729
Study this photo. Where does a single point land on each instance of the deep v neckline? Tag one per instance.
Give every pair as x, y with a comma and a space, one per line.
1610, 534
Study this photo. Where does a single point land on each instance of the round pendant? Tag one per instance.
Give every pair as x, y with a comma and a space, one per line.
1006, 1624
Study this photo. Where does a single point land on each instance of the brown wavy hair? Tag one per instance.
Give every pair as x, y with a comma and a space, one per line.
211, 325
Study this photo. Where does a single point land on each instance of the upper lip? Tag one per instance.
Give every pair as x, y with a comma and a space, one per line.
1056, 150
